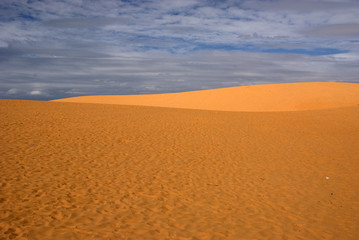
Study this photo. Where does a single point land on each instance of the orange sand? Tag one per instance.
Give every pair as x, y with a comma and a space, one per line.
95, 171
257, 98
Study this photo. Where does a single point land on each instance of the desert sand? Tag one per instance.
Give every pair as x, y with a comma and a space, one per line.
110, 171
256, 98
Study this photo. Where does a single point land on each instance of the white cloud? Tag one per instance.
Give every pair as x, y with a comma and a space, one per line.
36, 92
12, 91
120, 23
335, 31
122, 47
159, 72
303, 5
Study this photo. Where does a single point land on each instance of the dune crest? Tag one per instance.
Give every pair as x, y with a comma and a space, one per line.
256, 98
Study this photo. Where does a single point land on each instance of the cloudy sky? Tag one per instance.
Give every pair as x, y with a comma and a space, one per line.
55, 49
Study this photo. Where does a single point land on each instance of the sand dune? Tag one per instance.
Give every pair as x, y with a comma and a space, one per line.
257, 98
96, 171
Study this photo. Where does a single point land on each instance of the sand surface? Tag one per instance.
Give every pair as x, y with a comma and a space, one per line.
100, 171
256, 98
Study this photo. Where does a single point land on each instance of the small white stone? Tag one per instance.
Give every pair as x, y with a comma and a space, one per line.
327, 178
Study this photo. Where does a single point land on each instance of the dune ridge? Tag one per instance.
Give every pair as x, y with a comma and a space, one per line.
256, 98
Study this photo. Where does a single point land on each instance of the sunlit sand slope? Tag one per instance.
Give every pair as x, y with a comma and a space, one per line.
257, 98
92, 171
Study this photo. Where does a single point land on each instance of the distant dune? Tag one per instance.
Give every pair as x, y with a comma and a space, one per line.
256, 98
109, 171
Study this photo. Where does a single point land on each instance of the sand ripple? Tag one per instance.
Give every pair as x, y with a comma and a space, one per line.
92, 171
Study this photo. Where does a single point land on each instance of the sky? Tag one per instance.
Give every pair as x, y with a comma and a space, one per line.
57, 49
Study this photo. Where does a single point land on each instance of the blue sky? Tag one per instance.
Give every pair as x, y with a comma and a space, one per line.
55, 49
